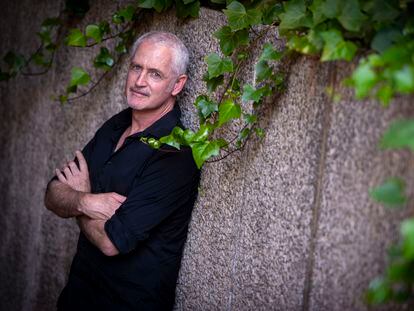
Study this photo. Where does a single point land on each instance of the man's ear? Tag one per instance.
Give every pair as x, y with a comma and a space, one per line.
179, 84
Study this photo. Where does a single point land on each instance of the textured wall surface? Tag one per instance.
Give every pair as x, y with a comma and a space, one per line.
285, 225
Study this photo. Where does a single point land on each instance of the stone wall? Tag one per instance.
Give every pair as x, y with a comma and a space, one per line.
285, 225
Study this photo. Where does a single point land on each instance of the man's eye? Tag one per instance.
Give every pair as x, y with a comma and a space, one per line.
155, 74
135, 67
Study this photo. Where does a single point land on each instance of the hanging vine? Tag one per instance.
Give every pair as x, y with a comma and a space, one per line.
379, 32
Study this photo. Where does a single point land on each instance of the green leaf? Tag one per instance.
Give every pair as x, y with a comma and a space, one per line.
75, 38
316, 8
384, 38
351, 17
79, 77
270, 53
302, 45
205, 106
331, 8
104, 60
400, 134
250, 118
218, 66
239, 18
228, 110
203, 133
124, 15
404, 79
213, 83
407, 232
379, 291
336, 47
94, 32
250, 93
230, 40
295, 15
121, 48
202, 151
51, 22
384, 11
271, 12
187, 8
384, 94
63, 99
263, 71
259, 132
390, 193
158, 5
14, 61
363, 79
104, 27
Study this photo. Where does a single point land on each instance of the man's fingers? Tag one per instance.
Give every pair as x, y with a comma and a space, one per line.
67, 172
118, 197
60, 176
73, 167
82, 161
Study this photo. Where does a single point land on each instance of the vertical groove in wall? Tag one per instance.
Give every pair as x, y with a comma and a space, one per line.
326, 125
237, 235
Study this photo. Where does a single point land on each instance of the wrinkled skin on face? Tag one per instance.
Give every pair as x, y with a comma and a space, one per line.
152, 84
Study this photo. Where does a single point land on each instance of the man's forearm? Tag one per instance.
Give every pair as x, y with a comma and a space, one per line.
95, 233
63, 200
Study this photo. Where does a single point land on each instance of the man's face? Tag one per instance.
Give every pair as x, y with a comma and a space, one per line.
151, 82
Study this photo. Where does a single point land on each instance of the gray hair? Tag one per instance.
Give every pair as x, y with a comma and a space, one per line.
181, 55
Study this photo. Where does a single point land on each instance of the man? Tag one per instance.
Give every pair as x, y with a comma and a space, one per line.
132, 203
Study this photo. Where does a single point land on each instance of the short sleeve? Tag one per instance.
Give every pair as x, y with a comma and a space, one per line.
169, 182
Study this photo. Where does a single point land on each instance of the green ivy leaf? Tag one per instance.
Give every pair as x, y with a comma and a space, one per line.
250, 118
384, 38
363, 79
205, 106
379, 291
230, 40
407, 232
336, 47
205, 130
51, 22
317, 9
187, 8
124, 15
271, 12
94, 32
390, 193
213, 83
250, 93
121, 48
202, 151
158, 5
14, 61
228, 110
270, 53
238, 17
104, 60
75, 38
79, 77
218, 66
259, 132
400, 134
384, 94
263, 71
302, 45
351, 17
383, 11
404, 79
295, 15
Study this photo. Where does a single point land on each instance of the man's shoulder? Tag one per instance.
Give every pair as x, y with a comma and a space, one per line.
120, 119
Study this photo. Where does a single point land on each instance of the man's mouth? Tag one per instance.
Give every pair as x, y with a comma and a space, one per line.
138, 92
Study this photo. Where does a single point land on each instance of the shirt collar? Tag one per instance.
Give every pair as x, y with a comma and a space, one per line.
159, 128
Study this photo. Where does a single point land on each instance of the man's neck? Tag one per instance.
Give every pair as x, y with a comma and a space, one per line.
142, 119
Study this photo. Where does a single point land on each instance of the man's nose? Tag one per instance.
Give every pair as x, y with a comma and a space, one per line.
141, 79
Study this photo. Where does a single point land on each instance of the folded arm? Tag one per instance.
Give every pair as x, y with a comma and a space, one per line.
69, 196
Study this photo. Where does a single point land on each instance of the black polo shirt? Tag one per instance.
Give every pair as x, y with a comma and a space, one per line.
150, 227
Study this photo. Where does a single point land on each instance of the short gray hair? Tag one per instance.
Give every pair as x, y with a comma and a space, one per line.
181, 54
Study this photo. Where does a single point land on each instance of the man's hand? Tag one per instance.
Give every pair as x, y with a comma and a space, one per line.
76, 178
102, 205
